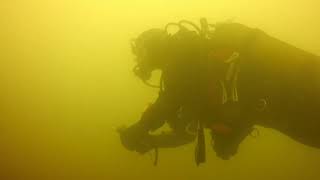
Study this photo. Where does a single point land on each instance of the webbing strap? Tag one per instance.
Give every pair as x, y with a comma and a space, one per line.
229, 83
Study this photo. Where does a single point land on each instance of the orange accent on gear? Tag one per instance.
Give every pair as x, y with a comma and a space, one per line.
220, 128
220, 54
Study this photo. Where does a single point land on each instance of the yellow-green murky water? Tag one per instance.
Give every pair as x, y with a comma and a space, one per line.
66, 84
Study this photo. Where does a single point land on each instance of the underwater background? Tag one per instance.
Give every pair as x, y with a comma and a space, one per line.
67, 84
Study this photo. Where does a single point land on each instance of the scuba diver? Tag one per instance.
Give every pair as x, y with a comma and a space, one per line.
197, 90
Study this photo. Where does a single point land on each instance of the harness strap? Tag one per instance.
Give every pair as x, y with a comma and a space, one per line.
230, 80
200, 151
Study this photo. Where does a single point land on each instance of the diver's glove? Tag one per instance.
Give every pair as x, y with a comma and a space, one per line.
136, 138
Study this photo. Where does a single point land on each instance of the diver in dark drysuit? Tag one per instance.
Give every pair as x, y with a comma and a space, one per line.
190, 92
177, 85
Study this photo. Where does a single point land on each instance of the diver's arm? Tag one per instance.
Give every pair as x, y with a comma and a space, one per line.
180, 134
157, 113
172, 139
137, 137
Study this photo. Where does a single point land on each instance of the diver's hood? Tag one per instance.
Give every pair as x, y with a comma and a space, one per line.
152, 47
149, 49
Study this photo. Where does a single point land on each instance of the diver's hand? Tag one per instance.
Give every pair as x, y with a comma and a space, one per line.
135, 138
